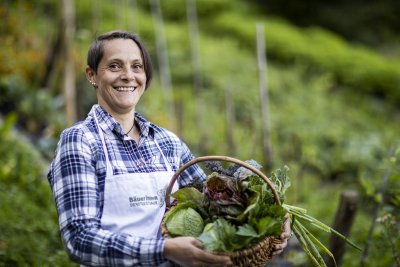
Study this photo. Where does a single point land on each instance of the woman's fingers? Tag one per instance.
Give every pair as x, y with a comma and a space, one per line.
284, 237
187, 251
197, 243
210, 259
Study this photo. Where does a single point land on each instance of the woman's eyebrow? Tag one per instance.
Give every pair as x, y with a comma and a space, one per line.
117, 59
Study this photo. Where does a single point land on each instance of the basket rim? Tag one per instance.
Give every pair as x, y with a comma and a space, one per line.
219, 158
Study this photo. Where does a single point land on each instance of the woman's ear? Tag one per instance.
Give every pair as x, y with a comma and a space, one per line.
91, 76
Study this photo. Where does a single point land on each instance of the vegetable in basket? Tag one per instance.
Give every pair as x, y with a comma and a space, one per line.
238, 210
225, 195
185, 222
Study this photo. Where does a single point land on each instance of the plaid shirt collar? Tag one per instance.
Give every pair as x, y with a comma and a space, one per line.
111, 126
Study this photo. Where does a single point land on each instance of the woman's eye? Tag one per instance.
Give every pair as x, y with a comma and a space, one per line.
113, 67
138, 68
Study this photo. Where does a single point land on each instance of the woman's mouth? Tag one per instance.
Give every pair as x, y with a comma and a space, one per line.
125, 88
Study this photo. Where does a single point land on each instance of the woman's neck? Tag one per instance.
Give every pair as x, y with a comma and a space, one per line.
125, 119
127, 123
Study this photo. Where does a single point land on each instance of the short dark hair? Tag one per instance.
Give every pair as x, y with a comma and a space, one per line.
96, 51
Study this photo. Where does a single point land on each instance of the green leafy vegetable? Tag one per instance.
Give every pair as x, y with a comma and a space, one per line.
191, 197
185, 222
189, 194
225, 195
281, 181
240, 210
219, 236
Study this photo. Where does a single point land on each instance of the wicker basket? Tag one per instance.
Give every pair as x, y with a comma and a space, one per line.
257, 255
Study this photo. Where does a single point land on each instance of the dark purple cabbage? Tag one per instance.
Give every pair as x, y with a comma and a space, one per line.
225, 195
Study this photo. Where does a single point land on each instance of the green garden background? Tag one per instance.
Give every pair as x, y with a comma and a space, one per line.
333, 85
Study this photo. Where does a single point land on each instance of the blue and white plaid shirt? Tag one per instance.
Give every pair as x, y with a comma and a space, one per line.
77, 175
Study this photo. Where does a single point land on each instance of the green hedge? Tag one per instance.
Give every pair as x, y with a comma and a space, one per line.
360, 68
29, 233
176, 9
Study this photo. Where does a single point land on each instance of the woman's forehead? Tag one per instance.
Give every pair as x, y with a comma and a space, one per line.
121, 48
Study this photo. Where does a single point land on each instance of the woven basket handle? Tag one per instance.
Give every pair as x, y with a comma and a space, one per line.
219, 158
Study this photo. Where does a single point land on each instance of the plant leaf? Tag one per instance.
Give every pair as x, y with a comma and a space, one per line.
188, 194
218, 236
319, 244
320, 225
304, 245
247, 230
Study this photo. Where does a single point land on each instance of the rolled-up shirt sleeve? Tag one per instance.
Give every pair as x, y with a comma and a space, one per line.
193, 173
73, 180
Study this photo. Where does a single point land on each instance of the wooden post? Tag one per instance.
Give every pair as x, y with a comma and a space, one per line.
162, 55
68, 18
179, 108
121, 14
53, 55
230, 121
132, 18
118, 16
96, 16
375, 211
191, 13
264, 98
344, 219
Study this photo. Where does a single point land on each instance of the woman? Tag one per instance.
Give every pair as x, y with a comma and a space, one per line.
111, 170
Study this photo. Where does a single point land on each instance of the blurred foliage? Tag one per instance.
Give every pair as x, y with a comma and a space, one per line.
175, 10
380, 187
376, 23
29, 233
334, 107
354, 66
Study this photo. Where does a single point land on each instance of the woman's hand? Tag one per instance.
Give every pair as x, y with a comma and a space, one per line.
285, 236
187, 251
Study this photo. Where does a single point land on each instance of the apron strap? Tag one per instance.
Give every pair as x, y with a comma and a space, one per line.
108, 163
169, 168
109, 171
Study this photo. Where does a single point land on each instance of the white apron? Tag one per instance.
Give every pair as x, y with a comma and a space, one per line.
134, 203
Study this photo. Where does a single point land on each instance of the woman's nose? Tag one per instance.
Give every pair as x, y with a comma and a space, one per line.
128, 74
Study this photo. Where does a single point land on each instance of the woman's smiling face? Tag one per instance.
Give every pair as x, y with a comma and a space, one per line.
120, 77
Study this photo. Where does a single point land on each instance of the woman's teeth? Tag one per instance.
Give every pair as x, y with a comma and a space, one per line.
125, 89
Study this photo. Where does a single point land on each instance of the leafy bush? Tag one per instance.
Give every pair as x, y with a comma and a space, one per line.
358, 67
29, 234
176, 9
381, 192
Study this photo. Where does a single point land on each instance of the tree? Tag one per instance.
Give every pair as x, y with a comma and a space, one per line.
68, 22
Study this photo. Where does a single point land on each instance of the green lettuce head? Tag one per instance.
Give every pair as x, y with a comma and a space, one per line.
185, 222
